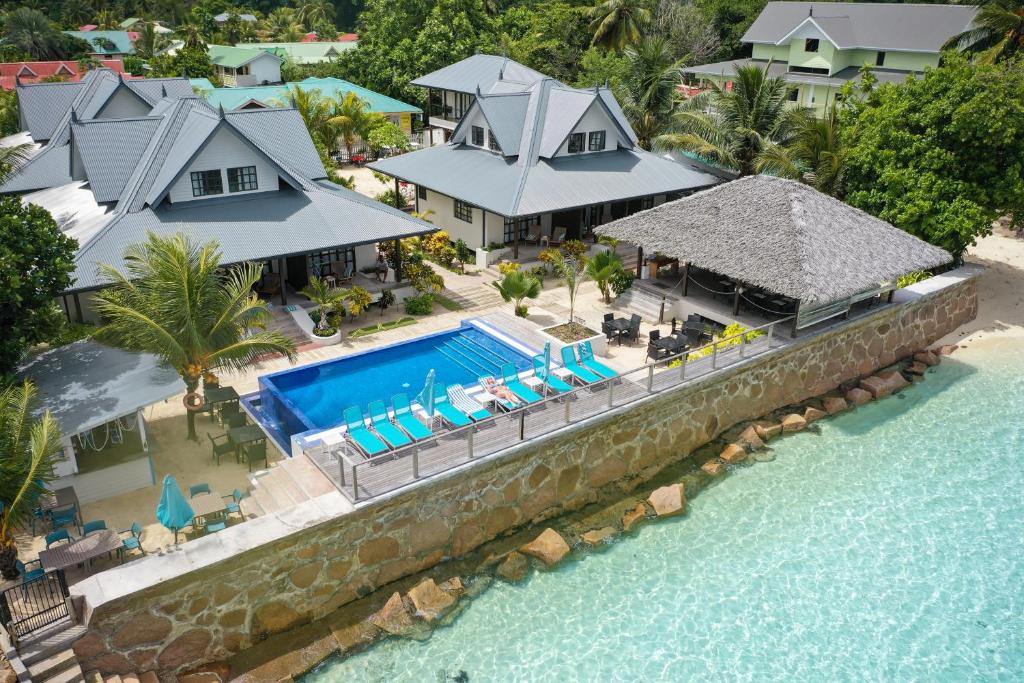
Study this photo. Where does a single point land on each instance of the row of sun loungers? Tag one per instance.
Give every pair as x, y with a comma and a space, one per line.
455, 407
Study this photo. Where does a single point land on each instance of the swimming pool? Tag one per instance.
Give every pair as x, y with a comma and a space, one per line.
313, 397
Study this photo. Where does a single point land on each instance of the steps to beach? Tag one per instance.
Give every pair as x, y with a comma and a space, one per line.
642, 302
286, 483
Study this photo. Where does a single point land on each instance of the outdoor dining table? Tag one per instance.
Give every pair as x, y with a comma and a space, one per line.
61, 498
214, 396
81, 551
240, 436
671, 344
619, 326
205, 505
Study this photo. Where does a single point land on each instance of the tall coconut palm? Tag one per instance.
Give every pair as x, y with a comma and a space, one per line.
29, 447
815, 155
192, 35
149, 41
997, 33
173, 299
312, 12
733, 127
315, 110
517, 286
11, 158
652, 75
352, 119
618, 23
29, 31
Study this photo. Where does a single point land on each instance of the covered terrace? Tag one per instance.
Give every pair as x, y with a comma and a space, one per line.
773, 248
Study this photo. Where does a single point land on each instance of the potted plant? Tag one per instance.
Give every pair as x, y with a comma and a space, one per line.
328, 300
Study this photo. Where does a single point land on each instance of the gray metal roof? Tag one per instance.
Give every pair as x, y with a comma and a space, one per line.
254, 226
281, 134
781, 235
781, 69
110, 150
50, 167
489, 73
42, 105
506, 116
865, 25
86, 384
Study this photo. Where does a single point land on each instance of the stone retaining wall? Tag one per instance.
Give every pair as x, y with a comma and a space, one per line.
208, 607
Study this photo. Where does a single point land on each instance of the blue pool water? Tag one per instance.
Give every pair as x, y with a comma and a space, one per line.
889, 547
314, 396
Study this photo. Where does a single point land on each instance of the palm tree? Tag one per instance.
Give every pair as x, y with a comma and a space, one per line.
352, 120
174, 300
604, 266
618, 23
997, 33
149, 41
28, 450
11, 159
327, 298
106, 20
733, 127
651, 78
315, 111
192, 37
29, 31
74, 13
516, 286
816, 154
312, 12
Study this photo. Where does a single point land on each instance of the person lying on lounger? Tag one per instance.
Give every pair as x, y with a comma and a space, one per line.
500, 390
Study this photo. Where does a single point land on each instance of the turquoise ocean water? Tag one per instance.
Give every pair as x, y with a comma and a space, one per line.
889, 547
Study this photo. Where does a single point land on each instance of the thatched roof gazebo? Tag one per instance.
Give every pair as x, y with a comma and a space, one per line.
784, 237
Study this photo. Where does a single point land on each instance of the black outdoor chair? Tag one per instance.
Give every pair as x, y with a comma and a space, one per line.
606, 326
632, 333
255, 451
654, 350
236, 420
227, 410
220, 445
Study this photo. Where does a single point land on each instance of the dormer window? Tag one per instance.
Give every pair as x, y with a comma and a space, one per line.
492, 142
811, 45
242, 179
596, 141
478, 136
576, 143
205, 183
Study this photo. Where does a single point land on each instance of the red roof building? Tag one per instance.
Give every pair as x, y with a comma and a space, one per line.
88, 27
309, 38
34, 72
348, 37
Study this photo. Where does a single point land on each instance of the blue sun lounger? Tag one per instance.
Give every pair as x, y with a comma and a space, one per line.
365, 440
386, 429
556, 383
511, 377
446, 410
578, 371
589, 361
406, 420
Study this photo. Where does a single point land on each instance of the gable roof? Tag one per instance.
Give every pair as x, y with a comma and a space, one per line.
488, 73
305, 52
870, 26
32, 72
122, 42
235, 57
110, 150
274, 95
781, 235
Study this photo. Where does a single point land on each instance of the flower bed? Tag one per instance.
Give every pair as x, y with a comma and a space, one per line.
570, 334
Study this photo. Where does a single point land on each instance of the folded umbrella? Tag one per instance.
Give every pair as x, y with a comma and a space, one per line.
173, 511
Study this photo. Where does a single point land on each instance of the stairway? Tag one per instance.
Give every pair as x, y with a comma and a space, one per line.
641, 301
284, 484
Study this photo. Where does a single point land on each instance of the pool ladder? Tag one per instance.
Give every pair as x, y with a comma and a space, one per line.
472, 356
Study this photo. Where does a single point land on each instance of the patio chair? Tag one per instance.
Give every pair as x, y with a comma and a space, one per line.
270, 286
606, 326
558, 236
29, 575
220, 445
446, 411
255, 451
556, 383
590, 362
37, 514
381, 423
235, 506
95, 525
581, 373
343, 272
466, 403
133, 542
362, 438
533, 235
406, 420
218, 525
64, 517
507, 402
55, 537
236, 420
511, 377
632, 333
227, 410
198, 489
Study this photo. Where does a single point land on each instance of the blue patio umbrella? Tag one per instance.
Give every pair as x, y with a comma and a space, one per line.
547, 362
173, 511
426, 397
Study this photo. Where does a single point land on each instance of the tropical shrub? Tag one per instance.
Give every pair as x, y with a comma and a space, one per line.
621, 281
508, 267
601, 269
913, 278
357, 300
419, 305
517, 286
735, 331
574, 248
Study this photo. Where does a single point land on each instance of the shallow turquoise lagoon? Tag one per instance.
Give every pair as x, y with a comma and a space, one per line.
889, 547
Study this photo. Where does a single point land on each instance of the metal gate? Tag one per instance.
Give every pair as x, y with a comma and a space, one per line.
34, 605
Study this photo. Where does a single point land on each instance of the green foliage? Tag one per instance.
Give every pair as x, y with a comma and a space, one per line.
69, 332
574, 248
380, 327
602, 268
387, 135
508, 267
618, 23
815, 154
941, 156
419, 305
350, 119
551, 37
997, 32
191, 61
517, 286
599, 66
36, 262
328, 300
29, 35
387, 300
29, 447
134, 64
448, 304
9, 122
621, 281
730, 19
651, 76
348, 183
463, 254
913, 278
732, 335
175, 300
357, 300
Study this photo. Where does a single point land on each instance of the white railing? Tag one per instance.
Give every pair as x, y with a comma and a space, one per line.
362, 478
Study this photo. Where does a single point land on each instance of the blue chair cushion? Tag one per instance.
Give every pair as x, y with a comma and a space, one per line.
233, 508
131, 543
215, 526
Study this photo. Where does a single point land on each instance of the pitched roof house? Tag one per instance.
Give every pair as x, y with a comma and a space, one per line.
306, 52
243, 67
12, 73
535, 161
819, 46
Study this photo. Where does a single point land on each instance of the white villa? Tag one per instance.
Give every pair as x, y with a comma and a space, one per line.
535, 162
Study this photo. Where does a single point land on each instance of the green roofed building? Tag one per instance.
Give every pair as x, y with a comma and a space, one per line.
241, 67
306, 53
232, 99
106, 43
